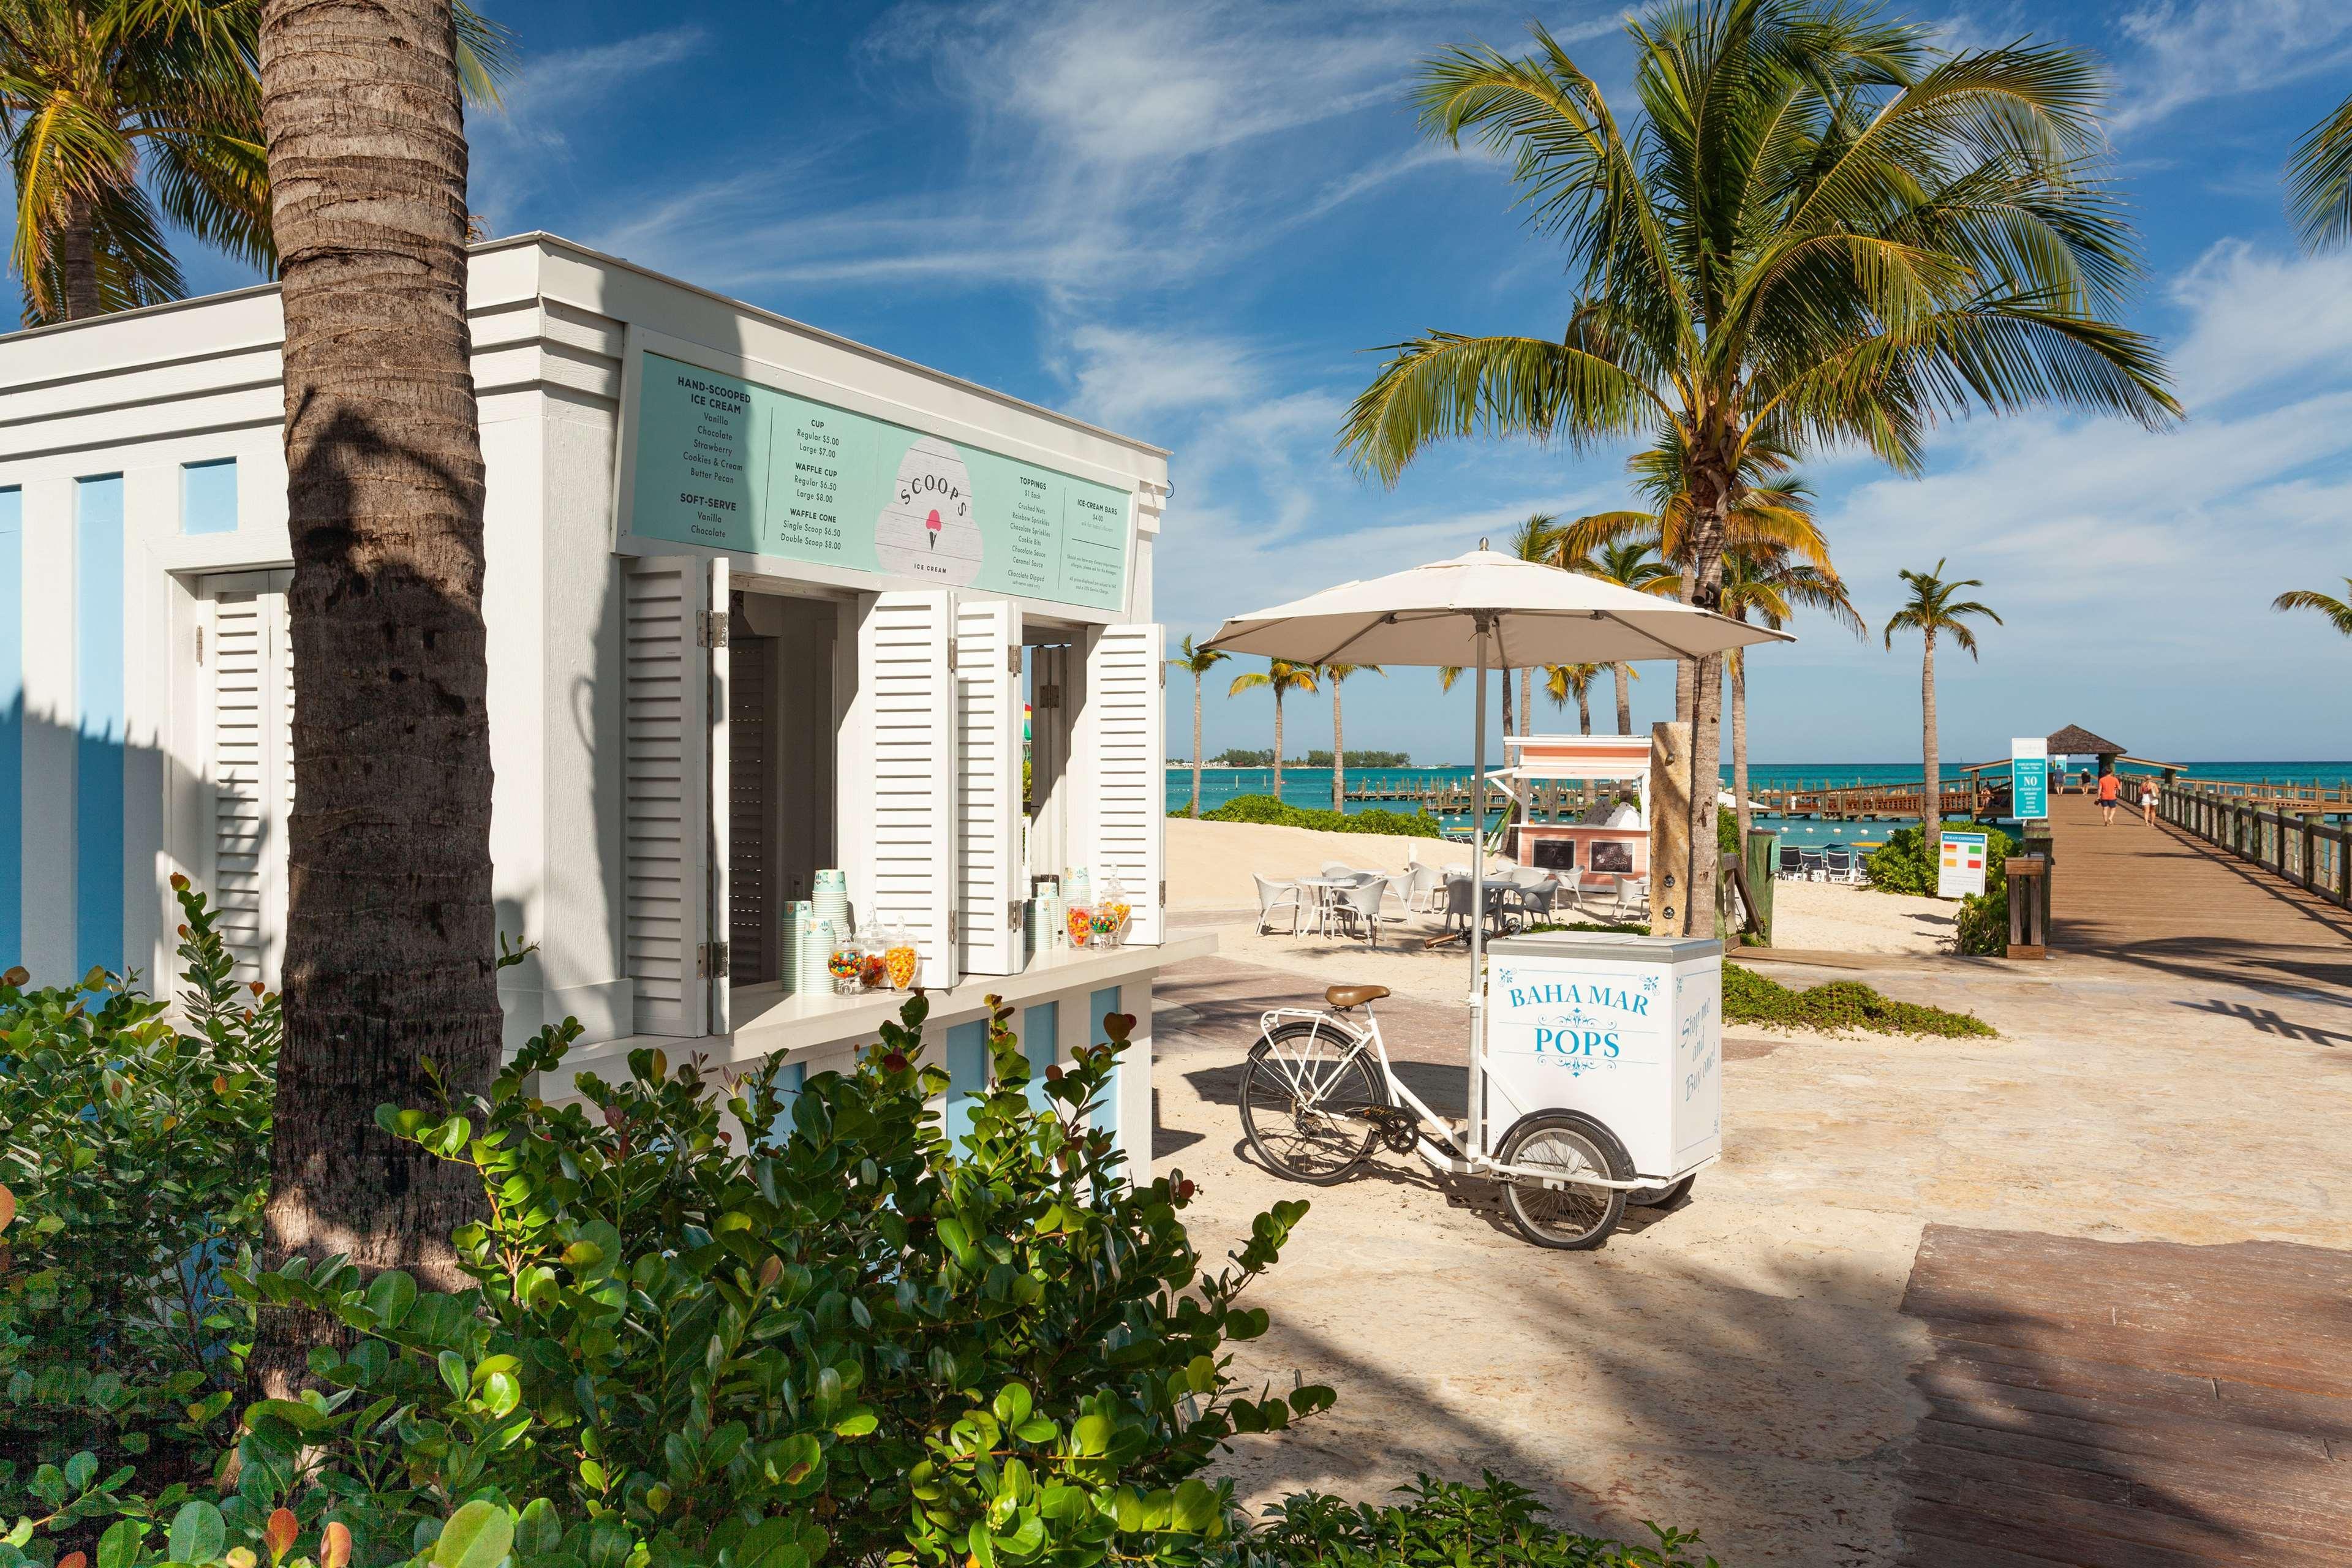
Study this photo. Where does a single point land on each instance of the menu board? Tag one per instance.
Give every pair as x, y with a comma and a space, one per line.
736, 465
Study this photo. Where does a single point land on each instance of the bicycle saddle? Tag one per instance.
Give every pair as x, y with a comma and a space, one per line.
1346, 996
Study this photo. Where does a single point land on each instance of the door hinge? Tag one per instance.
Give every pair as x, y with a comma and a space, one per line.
712, 960
1014, 911
200, 645
711, 628
1012, 659
951, 925
1049, 697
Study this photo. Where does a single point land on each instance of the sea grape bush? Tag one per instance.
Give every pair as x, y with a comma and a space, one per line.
843, 1341
134, 1158
1442, 1524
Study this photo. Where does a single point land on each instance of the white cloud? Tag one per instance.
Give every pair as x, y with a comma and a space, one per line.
2260, 318
2184, 51
514, 146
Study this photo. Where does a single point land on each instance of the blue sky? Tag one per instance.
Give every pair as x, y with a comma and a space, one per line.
1189, 221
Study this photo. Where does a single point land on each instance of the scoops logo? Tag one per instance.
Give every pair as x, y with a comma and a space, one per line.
926, 528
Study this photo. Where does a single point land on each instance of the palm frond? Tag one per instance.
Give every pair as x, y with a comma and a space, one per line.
1446, 384
2319, 181
2337, 611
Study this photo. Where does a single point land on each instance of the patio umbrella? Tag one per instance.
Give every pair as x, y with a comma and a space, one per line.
1476, 609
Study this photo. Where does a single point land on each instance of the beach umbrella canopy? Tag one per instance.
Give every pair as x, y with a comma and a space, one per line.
1481, 611
1532, 614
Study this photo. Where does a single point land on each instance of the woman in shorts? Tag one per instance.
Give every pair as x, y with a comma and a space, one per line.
2147, 802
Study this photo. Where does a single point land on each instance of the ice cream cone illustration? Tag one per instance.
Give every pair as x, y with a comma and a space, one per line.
931, 528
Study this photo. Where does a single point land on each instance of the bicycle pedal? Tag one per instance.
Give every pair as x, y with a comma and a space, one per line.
1398, 1129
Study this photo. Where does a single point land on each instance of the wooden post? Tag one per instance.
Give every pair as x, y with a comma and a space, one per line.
2028, 906
1670, 787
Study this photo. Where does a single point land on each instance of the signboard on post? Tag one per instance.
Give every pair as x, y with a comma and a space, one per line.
1961, 871
2028, 778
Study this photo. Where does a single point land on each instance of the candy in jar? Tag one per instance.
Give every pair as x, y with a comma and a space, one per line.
1111, 911
846, 964
872, 972
1081, 924
901, 957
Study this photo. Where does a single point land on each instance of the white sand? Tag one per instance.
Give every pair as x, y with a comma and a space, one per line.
1210, 865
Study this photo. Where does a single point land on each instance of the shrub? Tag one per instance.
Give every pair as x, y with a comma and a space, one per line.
847, 1341
1902, 864
1265, 808
1443, 1524
1752, 998
135, 1158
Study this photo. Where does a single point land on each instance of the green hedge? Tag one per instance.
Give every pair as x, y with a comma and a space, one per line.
1265, 808
1751, 998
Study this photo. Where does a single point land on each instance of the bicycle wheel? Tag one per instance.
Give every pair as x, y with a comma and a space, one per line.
1299, 1092
1663, 1197
1572, 1218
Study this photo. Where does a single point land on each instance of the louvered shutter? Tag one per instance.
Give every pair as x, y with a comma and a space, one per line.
1120, 746
666, 790
754, 923
247, 662
712, 963
906, 687
989, 816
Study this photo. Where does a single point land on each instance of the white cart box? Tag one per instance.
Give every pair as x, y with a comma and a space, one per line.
1627, 1029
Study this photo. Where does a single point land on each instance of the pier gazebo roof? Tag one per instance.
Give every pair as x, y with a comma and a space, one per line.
2073, 740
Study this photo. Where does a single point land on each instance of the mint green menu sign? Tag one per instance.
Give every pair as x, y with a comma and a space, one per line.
735, 465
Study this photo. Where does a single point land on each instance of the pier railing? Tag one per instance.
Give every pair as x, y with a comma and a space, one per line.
2289, 838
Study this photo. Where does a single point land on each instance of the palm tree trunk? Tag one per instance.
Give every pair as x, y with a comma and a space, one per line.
1278, 743
1339, 756
1507, 704
1528, 700
77, 259
1196, 745
1584, 713
390, 956
1703, 585
1625, 699
1931, 814
1739, 751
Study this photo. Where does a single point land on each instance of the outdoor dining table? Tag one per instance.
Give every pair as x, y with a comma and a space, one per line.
1325, 889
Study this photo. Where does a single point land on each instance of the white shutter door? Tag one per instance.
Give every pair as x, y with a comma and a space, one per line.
247, 663
1121, 748
989, 816
665, 789
907, 685
718, 697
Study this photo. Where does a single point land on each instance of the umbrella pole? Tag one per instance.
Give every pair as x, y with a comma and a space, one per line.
1477, 1128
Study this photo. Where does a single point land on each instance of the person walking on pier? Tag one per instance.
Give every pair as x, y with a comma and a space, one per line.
2110, 790
2147, 803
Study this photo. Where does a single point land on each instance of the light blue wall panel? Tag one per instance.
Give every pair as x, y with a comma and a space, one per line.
1041, 1033
967, 1063
1100, 1006
208, 497
100, 721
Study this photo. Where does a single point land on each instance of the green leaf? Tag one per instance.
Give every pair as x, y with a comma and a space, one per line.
476, 1536
454, 1375
1194, 1508
119, 1547
390, 1296
539, 1531
1091, 1435
198, 1534
958, 1239
1013, 1405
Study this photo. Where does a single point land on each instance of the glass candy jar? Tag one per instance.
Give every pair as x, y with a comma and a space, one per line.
900, 958
1111, 912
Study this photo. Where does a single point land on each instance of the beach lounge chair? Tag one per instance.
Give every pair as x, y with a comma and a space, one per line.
1272, 897
1816, 867
1837, 863
1792, 862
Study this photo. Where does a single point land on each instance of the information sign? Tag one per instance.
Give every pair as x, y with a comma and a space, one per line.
738, 465
2028, 778
1961, 871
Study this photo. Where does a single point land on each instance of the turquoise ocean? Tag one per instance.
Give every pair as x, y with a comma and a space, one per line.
1309, 786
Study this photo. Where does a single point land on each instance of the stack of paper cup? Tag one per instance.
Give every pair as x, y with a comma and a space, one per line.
830, 900
816, 949
795, 913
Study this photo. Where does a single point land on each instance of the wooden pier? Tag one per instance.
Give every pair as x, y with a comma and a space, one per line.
1567, 800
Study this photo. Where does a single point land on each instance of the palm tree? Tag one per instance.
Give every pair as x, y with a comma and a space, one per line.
124, 116
2337, 611
390, 954
1564, 681
1537, 540
1335, 674
2319, 181
1629, 564
1930, 610
1820, 228
1200, 661
1760, 582
1280, 676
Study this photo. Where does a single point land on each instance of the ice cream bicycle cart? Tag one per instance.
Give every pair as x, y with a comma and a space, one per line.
1599, 1085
